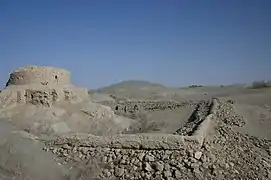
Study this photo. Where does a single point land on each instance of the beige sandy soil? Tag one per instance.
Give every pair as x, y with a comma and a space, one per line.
21, 154
167, 121
258, 120
253, 104
170, 120
255, 107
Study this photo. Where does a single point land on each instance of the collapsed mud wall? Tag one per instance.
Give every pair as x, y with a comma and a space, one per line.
39, 95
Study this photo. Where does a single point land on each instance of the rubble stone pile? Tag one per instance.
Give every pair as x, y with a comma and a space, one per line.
224, 154
237, 156
149, 157
131, 109
137, 163
228, 115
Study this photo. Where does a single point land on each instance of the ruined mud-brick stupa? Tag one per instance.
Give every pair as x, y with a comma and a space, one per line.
42, 100
41, 85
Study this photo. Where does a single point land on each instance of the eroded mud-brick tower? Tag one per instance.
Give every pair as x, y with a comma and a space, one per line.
39, 75
41, 85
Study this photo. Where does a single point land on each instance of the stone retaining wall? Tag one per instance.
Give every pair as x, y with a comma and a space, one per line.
142, 141
137, 156
133, 109
203, 129
134, 106
130, 141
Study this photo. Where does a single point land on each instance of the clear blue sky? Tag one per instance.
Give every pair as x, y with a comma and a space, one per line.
174, 42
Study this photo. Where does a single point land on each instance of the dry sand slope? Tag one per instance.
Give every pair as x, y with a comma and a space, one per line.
51, 129
21, 156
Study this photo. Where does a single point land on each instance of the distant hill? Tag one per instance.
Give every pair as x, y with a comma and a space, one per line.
136, 89
129, 85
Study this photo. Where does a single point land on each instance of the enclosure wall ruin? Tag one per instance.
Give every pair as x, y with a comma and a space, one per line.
145, 141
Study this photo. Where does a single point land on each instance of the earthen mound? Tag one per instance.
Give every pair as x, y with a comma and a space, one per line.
41, 100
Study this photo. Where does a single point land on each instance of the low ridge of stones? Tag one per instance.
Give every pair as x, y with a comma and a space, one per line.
200, 113
225, 154
134, 109
234, 119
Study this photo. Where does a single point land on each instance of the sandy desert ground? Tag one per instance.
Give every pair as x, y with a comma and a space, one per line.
164, 111
253, 104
